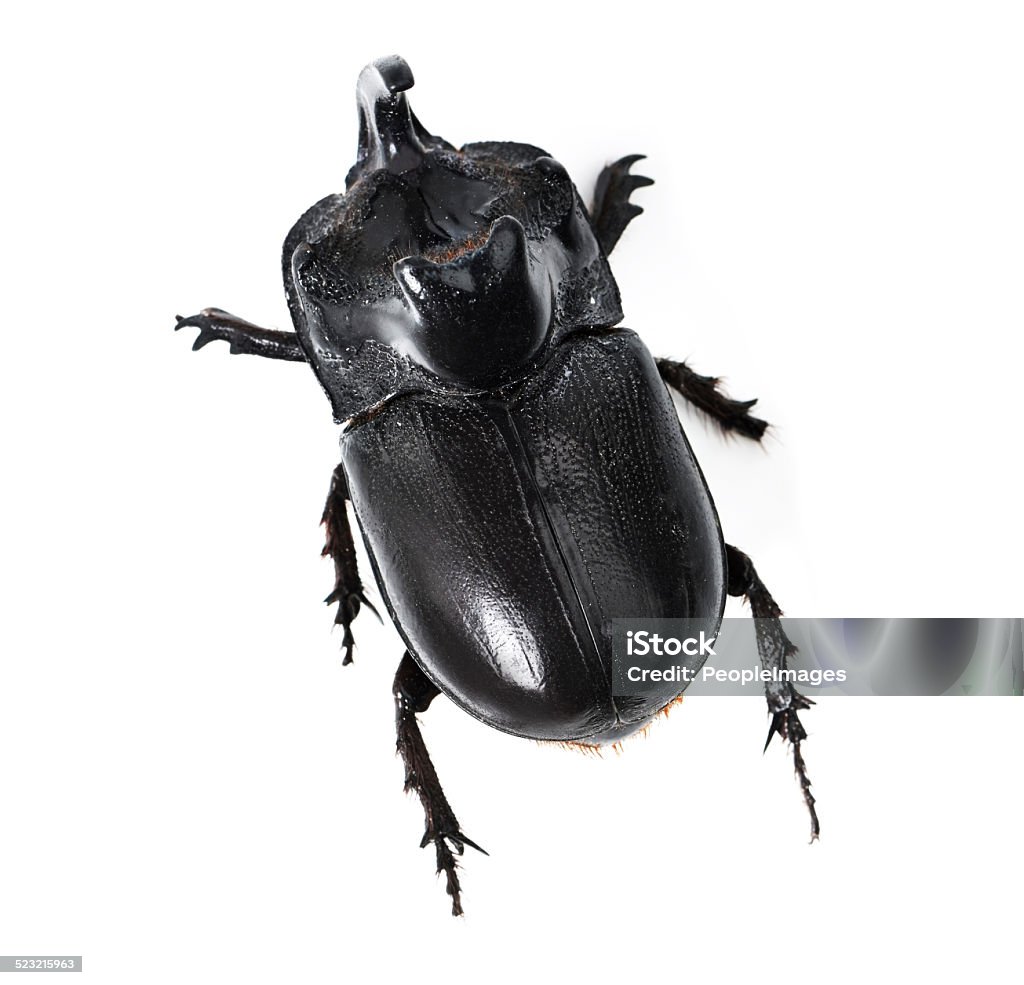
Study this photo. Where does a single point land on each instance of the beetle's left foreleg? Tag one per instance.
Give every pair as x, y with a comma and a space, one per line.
775, 648
244, 337
413, 693
341, 548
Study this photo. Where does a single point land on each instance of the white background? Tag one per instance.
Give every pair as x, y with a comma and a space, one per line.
191, 786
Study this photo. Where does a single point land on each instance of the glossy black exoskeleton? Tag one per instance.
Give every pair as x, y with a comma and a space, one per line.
514, 459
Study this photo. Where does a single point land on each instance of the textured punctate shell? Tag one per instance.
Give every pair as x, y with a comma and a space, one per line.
507, 533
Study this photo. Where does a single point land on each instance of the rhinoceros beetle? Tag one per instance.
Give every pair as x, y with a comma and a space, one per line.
513, 457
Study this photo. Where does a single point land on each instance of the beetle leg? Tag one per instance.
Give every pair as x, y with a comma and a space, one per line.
774, 647
612, 210
413, 693
339, 545
703, 392
243, 336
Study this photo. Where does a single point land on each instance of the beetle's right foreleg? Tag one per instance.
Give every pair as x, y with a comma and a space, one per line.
341, 548
413, 693
243, 336
612, 210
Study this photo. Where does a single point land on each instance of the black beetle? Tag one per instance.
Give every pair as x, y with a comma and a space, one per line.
513, 458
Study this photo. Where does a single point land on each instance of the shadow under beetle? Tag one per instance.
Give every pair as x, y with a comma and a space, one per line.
513, 458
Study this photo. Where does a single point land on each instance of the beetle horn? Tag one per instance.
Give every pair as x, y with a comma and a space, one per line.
390, 136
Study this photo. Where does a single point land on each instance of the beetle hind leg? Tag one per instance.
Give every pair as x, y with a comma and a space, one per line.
348, 587
413, 693
704, 393
774, 648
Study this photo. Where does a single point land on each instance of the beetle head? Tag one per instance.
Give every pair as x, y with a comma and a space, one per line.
465, 264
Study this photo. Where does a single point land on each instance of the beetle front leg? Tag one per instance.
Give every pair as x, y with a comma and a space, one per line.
413, 693
243, 337
612, 210
704, 393
775, 648
341, 548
